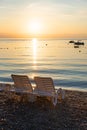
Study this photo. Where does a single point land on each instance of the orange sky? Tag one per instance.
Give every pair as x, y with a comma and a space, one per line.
52, 18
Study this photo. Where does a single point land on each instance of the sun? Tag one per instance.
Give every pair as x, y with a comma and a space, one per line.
35, 27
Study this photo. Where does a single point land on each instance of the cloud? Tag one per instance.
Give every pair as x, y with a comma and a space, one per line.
3, 7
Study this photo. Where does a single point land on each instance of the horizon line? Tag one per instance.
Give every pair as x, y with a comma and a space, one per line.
59, 36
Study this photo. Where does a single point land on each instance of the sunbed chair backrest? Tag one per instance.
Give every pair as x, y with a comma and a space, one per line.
45, 84
22, 82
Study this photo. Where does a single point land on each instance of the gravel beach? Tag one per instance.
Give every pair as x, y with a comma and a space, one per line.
69, 114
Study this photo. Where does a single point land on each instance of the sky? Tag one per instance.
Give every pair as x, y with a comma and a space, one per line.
43, 18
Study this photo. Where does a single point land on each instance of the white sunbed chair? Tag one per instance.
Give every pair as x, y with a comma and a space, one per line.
23, 85
45, 87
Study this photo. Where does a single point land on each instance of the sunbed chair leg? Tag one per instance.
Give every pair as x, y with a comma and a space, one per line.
54, 100
61, 93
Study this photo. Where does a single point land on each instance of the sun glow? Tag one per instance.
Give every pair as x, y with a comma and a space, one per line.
35, 27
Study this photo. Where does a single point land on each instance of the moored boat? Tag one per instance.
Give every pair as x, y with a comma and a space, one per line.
78, 43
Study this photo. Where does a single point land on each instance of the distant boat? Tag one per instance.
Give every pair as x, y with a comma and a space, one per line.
76, 46
77, 43
71, 41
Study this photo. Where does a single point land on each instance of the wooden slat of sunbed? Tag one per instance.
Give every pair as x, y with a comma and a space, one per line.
22, 82
45, 84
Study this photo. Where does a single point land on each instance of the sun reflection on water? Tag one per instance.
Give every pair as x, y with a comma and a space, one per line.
34, 46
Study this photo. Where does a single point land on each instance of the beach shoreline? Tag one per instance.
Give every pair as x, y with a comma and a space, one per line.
68, 114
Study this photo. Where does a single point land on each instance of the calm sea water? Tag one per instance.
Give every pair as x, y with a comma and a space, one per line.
55, 58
